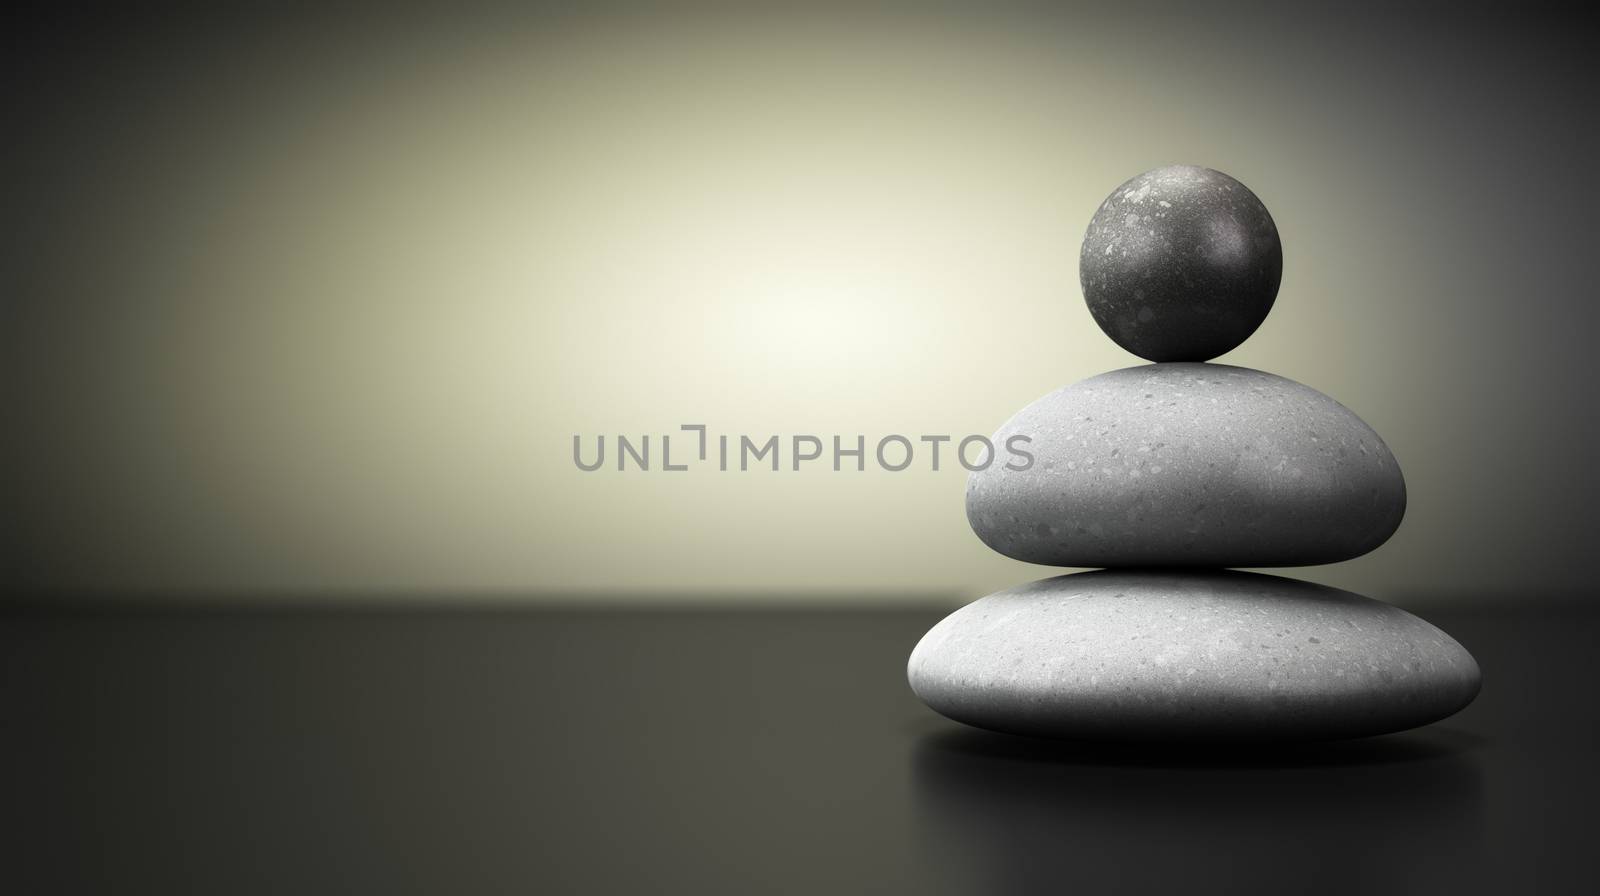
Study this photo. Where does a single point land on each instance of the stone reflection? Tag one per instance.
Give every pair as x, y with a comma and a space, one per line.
999, 814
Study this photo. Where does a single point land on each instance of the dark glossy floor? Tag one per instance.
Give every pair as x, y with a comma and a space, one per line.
765, 751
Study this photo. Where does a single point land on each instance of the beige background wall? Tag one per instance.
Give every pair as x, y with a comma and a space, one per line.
320, 304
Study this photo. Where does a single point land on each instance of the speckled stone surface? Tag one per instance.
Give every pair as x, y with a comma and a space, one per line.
1141, 655
1189, 465
1180, 264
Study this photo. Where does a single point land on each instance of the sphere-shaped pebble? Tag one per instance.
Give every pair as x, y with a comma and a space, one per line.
1180, 264
1188, 465
1146, 655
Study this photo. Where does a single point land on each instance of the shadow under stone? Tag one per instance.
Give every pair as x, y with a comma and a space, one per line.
1004, 814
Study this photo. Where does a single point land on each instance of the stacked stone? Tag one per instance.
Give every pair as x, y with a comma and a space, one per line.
1167, 475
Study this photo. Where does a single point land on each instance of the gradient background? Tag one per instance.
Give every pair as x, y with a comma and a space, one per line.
316, 302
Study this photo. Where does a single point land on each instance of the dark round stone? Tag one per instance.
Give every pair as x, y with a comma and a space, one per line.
1181, 264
